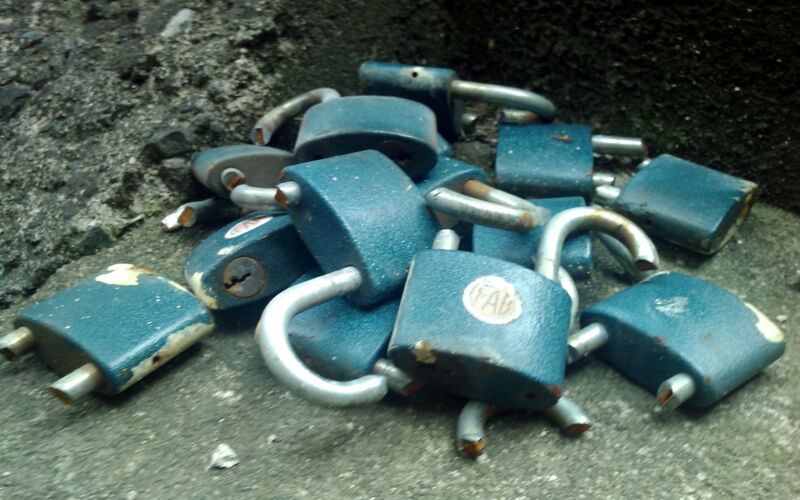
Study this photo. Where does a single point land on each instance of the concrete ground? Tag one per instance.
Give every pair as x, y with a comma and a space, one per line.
156, 440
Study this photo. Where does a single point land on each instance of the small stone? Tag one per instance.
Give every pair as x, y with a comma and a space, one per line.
782, 318
12, 97
169, 143
272, 438
178, 23
224, 457
31, 38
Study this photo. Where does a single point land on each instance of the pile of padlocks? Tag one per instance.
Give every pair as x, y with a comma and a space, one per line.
385, 264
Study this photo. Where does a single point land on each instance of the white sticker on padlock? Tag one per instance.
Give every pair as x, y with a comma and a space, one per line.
493, 300
247, 225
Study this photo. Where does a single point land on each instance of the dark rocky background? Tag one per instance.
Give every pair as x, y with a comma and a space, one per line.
88, 87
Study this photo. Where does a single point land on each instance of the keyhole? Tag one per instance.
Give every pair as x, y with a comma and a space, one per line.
235, 281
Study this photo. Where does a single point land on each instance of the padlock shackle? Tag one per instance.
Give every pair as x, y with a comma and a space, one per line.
470, 431
674, 391
486, 213
189, 214
253, 199
619, 146
446, 239
623, 257
605, 194
16, 343
504, 96
272, 335
568, 284
570, 417
555, 232
586, 340
277, 116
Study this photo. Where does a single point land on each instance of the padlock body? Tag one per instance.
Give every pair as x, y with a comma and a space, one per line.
249, 260
125, 320
260, 165
519, 248
361, 210
403, 130
339, 340
483, 328
425, 84
675, 323
687, 204
545, 160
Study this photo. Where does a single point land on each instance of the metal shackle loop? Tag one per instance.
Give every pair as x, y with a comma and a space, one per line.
254, 198
568, 284
272, 335
548, 256
277, 116
488, 206
504, 96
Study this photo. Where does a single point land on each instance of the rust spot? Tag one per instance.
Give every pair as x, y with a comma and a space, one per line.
422, 353
156, 359
577, 429
554, 390
707, 380
186, 216
260, 136
413, 387
659, 339
142, 269
664, 397
476, 189
60, 395
526, 222
563, 138
281, 198
233, 181
473, 449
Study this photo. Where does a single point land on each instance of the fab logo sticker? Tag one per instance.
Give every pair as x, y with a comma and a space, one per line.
493, 300
247, 225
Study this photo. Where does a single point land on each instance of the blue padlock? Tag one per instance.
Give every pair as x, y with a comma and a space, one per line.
247, 261
552, 160
684, 203
403, 130
684, 339
363, 220
109, 331
442, 91
519, 247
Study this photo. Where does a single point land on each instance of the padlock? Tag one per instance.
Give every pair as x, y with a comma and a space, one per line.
261, 166
247, 261
442, 91
271, 121
552, 160
363, 220
573, 421
341, 341
108, 331
492, 330
403, 130
519, 247
686, 340
684, 203
451, 174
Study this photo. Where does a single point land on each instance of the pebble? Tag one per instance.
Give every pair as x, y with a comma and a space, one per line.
169, 144
223, 457
178, 23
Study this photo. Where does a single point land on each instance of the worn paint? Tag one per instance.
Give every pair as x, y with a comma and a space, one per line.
196, 284
225, 250
766, 326
174, 345
423, 353
122, 275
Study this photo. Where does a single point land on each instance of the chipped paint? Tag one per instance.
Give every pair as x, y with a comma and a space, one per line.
174, 345
226, 250
196, 284
769, 330
422, 351
122, 275
673, 306
175, 284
